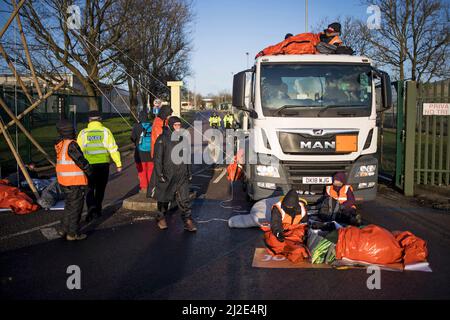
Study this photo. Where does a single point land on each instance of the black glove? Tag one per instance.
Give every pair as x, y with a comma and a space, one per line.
280, 236
162, 178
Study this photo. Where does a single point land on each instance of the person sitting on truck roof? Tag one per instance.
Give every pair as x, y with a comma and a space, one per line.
331, 34
338, 203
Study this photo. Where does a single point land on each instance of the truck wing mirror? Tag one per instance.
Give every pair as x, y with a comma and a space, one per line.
239, 81
386, 89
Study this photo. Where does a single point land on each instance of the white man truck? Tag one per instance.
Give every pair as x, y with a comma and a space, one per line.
313, 116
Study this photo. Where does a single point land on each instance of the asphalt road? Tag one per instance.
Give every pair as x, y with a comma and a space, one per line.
127, 257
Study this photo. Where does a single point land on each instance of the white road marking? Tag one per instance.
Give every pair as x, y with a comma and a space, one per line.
203, 176
29, 230
224, 171
200, 171
21, 233
50, 233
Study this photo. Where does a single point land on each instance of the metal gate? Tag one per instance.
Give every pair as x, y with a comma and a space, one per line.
427, 137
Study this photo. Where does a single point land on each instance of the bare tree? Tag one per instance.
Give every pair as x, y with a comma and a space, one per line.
58, 49
413, 38
156, 47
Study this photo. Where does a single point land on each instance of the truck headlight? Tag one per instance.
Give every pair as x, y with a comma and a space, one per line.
366, 171
267, 171
365, 185
266, 185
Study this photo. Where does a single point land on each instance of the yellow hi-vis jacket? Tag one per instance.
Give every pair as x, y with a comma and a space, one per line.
98, 144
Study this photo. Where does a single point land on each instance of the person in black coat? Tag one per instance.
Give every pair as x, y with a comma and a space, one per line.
172, 179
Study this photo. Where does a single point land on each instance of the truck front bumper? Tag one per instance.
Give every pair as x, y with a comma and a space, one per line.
291, 174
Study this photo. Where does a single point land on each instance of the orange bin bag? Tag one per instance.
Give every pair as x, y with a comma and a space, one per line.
12, 198
415, 248
371, 244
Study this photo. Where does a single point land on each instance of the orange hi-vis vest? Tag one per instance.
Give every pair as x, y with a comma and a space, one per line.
336, 40
287, 219
67, 172
342, 196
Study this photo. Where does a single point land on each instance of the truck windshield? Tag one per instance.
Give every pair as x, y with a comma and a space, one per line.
316, 90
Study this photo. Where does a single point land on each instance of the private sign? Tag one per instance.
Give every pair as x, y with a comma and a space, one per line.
436, 109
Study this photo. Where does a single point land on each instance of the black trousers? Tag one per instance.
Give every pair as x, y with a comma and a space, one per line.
183, 202
97, 182
74, 201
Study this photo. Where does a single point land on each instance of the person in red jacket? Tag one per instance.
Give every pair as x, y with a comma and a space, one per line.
159, 123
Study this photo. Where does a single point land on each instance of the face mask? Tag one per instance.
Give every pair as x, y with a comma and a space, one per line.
156, 111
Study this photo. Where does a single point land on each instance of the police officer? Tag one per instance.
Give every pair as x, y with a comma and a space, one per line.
228, 121
99, 147
71, 171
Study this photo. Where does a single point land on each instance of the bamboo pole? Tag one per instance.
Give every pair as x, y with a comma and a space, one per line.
36, 104
11, 18
25, 131
27, 52
18, 159
14, 71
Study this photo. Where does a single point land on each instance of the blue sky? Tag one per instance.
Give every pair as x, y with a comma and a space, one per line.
225, 30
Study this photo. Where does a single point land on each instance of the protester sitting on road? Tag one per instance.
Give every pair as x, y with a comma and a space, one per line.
141, 136
172, 177
288, 227
290, 210
72, 171
339, 204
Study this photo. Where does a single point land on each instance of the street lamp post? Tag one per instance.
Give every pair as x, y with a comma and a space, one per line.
247, 59
306, 15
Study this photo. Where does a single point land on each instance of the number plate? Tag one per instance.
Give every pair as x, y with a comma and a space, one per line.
317, 180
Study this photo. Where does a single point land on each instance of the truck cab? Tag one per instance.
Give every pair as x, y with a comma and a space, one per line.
312, 116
